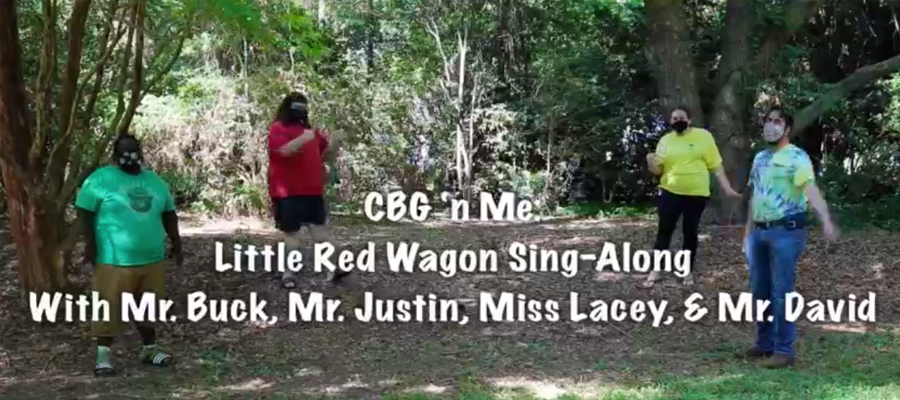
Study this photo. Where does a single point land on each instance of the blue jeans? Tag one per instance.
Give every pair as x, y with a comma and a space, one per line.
772, 255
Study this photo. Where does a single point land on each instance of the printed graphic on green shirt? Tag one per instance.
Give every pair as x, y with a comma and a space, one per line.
141, 200
778, 180
128, 225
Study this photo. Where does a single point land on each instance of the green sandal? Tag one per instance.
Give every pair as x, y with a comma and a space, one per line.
153, 355
103, 366
104, 369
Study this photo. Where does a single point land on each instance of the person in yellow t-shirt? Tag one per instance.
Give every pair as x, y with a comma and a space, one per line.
684, 159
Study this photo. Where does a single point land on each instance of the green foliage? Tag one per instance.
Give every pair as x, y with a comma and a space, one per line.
862, 176
377, 75
606, 210
890, 119
235, 15
187, 189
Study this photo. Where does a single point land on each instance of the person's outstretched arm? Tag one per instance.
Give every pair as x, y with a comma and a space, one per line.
723, 182
748, 227
713, 160
751, 182
817, 202
280, 143
804, 178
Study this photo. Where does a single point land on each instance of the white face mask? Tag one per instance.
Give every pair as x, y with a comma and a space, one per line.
772, 132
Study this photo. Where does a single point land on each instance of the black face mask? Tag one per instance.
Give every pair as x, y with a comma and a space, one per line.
679, 126
297, 113
129, 161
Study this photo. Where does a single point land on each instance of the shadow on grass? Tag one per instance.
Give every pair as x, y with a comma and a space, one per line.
833, 366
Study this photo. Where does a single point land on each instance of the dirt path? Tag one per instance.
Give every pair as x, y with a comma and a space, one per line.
358, 360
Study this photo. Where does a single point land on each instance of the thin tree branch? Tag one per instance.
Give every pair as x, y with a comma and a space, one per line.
855, 81
123, 77
135, 99
54, 174
105, 50
43, 89
165, 69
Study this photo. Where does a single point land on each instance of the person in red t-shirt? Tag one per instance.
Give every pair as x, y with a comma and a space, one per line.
296, 160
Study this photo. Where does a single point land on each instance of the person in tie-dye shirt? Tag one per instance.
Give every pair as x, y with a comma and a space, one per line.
782, 186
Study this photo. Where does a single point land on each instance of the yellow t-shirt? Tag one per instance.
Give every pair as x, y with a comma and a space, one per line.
687, 160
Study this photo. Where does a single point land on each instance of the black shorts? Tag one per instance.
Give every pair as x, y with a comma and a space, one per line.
291, 213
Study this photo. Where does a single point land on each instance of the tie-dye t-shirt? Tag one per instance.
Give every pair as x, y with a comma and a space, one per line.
778, 180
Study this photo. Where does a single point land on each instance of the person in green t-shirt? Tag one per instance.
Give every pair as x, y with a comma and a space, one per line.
127, 211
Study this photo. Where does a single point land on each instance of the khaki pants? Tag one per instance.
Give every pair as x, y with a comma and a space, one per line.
110, 282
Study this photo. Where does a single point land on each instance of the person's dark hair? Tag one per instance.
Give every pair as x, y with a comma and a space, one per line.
788, 118
293, 110
681, 107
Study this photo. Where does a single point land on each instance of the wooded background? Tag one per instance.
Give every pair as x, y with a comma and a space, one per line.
558, 101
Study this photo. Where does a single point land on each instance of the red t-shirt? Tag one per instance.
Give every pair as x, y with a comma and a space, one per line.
299, 174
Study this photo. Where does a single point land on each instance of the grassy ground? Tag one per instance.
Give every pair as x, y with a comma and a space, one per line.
477, 361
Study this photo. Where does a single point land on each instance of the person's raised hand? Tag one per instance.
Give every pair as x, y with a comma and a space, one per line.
308, 134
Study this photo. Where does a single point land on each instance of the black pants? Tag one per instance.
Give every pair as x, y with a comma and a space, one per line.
291, 213
673, 206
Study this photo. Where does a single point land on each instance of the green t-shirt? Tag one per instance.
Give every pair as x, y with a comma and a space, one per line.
129, 226
778, 180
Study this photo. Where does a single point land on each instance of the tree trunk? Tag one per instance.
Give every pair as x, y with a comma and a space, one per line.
669, 54
320, 13
371, 32
728, 124
811, 141
503, 41
32, 224
549, 189
35, 232
137, 20
730, 115
59, 156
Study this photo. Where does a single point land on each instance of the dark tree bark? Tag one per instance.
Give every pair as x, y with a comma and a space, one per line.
669, 53
730, 113
33, 230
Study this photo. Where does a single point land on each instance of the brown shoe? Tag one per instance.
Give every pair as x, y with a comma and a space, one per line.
779, 361
754, 353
